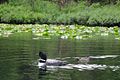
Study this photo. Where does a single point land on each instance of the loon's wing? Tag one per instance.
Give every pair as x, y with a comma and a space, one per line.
54, 62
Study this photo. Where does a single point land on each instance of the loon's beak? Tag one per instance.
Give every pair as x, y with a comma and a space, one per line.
42, 60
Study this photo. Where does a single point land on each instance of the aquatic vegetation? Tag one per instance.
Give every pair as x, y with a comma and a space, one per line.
74, 31
7, 29
61, 31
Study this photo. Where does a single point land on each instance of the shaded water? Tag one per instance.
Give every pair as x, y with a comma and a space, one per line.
19, 53
16, 56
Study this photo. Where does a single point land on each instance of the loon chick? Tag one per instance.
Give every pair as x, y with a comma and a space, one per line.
83, 60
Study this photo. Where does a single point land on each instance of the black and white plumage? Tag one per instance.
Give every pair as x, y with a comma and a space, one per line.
44, 62
43, 56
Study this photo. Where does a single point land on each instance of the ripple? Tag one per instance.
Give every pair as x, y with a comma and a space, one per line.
104, 56
82, 67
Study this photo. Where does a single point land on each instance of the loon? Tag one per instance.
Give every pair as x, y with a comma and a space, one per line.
44, 62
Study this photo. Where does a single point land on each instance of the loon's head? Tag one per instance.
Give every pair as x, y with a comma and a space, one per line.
42, 61
43, 57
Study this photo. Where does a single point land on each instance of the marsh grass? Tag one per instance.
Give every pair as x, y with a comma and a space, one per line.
41, 12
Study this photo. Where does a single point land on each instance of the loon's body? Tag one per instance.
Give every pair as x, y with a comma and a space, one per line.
54, 62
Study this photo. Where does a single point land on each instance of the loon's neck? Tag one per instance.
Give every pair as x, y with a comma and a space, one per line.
42, 61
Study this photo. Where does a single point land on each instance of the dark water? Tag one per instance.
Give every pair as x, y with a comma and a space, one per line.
19, 52
16, 56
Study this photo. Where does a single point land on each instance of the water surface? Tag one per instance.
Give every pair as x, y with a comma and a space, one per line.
103, 52
16, 56
19, 55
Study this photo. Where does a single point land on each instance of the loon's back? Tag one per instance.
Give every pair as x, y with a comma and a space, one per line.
54, 62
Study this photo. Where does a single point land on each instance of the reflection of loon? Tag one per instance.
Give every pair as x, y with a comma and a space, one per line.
43, 61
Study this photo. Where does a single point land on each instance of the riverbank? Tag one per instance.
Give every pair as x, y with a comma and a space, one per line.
45, 12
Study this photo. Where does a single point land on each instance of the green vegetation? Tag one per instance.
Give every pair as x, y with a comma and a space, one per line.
64, 32
103, 13
6, 30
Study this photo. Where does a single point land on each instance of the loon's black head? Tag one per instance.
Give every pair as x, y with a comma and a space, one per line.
43, 57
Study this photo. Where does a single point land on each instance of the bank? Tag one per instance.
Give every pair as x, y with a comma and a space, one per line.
47, 12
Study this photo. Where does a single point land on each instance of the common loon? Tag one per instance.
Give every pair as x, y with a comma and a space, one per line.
44, 62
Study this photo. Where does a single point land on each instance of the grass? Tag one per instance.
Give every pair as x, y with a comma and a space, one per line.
50, 13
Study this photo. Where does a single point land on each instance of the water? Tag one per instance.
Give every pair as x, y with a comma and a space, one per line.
16, 56
19, 54
103, 53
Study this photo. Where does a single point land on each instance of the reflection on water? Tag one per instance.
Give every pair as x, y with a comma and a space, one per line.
82, 67
103, 54
16, 56
19, 54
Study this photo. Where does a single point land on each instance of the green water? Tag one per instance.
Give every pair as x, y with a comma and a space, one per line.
58, 48
19, 52
16, 56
